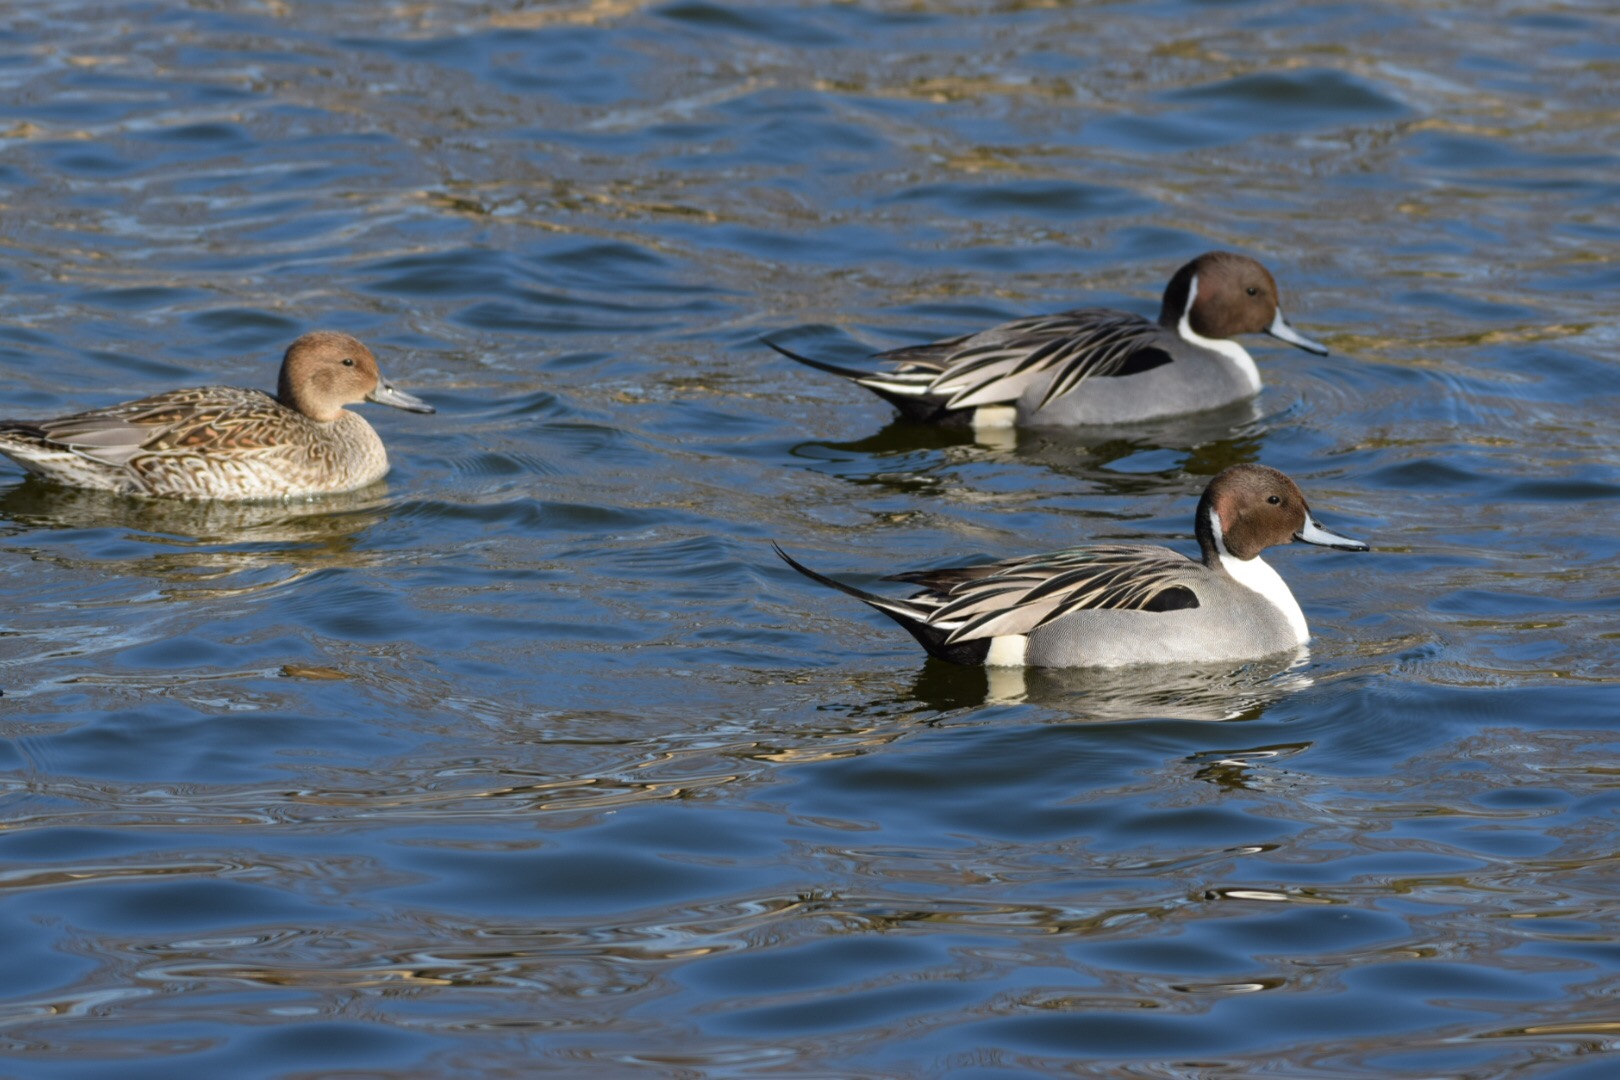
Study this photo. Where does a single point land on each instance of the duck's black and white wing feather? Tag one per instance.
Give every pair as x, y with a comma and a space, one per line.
998, 365
1022, 595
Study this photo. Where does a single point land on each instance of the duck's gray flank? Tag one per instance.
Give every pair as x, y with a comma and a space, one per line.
1118, 604
1093, 365
223, 442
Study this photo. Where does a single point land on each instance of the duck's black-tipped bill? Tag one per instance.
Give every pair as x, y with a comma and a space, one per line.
1280, 330
399, 399
1313, 533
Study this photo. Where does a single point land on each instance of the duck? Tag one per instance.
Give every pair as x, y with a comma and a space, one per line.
1093, 366
1121, 605
225, 442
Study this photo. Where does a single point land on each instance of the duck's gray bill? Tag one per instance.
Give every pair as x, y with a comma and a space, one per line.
1313, 533
399, 399
1280, 330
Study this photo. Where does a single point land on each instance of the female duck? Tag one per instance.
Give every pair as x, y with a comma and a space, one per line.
1117, 604
221, 442
1094, 366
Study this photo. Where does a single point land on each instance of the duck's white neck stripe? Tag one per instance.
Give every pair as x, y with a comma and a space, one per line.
1255, 574
1229, 349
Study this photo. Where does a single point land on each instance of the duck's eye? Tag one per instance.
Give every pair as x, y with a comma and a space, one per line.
348, 361
1274, 500
1252, 291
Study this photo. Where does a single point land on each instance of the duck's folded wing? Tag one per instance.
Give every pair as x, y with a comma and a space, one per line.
1022, 595
997, 365
170, 421
931, 358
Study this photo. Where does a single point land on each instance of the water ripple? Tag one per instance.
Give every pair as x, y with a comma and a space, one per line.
534, 757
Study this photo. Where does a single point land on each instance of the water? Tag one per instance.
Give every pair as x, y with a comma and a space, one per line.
534, 760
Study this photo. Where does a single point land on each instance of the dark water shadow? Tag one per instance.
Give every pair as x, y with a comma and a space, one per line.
1200, 444
1123, 459
1216, 692
332, 522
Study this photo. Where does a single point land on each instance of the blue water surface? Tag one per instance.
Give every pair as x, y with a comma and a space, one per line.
534, 760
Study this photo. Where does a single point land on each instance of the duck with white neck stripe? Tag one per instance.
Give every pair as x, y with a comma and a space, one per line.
1113, 605
1094, 366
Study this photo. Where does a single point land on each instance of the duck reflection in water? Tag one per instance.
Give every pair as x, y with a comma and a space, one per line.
1215, 692
1135, 459
195, 541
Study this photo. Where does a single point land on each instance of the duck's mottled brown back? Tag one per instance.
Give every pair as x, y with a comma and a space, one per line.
222, 442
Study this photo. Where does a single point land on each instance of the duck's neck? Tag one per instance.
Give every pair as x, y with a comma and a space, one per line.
1254, 574
300, 398
1224, 347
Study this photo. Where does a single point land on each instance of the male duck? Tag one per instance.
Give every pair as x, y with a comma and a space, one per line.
1117, 604
1095, 365
221, 442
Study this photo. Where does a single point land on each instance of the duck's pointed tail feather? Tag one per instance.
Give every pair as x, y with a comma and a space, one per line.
820, 365
907, 391
912, 615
